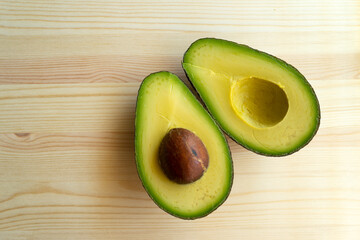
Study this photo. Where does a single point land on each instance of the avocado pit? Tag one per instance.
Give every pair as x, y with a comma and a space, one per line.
183, 157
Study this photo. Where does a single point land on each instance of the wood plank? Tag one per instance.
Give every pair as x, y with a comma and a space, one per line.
110, 156
123, 68
126, 57
66, 108
102, 17
110, 107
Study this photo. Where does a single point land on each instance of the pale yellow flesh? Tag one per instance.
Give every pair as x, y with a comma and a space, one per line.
258, 102
166, 107
216, 86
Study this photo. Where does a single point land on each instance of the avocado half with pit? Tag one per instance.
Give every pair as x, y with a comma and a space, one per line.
260, 101
182, 156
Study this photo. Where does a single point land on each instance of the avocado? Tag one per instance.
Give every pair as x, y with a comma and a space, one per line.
260, 101
172, 127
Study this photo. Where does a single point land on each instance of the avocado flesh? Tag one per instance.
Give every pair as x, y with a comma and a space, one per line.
260, 101
163, 103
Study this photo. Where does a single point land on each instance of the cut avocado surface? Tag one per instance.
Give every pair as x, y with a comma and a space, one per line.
164, 103
260, 101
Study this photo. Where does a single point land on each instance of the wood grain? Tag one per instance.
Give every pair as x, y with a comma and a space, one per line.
77, 171
69, 75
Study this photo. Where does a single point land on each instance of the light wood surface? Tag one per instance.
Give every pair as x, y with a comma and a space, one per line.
69, 75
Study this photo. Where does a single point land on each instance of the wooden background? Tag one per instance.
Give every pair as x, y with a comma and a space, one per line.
69, 75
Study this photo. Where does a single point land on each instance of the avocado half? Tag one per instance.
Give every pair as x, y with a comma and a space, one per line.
260, 101
163, 103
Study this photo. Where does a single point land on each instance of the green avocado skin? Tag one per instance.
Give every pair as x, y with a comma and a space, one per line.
138, 155
269, 57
